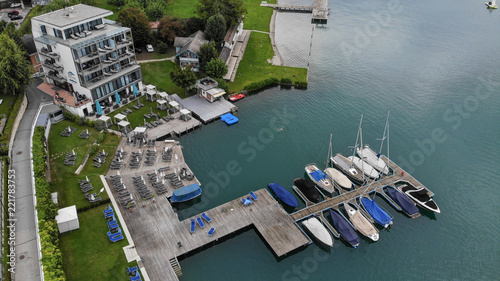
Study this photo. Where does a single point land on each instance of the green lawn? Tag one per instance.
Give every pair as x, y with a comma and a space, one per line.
257, 17
182, 9
8, 103
104, 4
255, 67
158, 74
63, 178
156, 54
89, 255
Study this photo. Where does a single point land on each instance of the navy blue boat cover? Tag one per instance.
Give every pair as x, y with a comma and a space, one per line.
344, 228
283, 194
377, 213
318, 175
403, 201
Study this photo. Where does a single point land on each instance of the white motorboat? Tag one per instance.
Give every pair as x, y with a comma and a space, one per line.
420, 196
366, 168
319, 178
318, 230
339, 178
491, 4
361, 223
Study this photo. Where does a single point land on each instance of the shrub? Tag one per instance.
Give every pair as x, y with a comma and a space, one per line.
80, 121
116, 3
93, 149
300, 85
99, 125
5, 137
222, 84
100, 138
162, 47
262, 84
286, 81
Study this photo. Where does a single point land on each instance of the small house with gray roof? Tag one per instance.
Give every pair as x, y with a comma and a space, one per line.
187, 49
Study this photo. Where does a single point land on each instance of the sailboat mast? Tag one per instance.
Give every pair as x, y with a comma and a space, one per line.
357, 136
329, 152
384, 135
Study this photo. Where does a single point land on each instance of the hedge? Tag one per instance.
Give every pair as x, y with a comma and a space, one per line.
47, 210
262, 84
4, 139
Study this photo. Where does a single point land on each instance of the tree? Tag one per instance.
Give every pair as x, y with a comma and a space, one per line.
194, 24
3, 24
138, 22
169, 28
183, 78
162, 47
154, 9
15, 70
216, 29
231, 10
117, 3
216, 68
207, 53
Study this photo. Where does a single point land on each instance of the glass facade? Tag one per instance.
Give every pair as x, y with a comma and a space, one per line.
116, 84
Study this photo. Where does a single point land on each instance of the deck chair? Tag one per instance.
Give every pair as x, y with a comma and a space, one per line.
131, 270
116, 238
193, 226
200, 222
205, 217
211, 231
137, 276
253, 196
246, 201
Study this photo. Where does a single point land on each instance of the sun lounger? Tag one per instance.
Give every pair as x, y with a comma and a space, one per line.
116, 238
137, 276
112, 224
211, 231
246, 201
193, 226
131, 270
109, 209
200, 222
253, 196
204, 216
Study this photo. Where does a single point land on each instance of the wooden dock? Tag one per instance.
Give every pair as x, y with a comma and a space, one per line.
175, 127
319, 10
376, 186
159, 237
204, 110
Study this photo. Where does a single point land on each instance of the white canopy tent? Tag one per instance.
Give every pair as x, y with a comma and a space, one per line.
150, 92
67, 219
106, 119
120, 117
162, 104
140, 132
124, 125
162, 95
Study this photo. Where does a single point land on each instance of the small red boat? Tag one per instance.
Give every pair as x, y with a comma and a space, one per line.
236, 97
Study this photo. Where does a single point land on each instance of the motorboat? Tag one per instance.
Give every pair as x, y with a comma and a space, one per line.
284, 195
339, 178
366, 168
370, 157
345, 165
236, 97
319, 178
376, 212
344, 228
491, 4
186, 193
361, 223
420, 196
308, 188
404, 202
318, 230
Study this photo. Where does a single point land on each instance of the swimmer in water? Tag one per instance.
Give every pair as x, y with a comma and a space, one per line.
281, 129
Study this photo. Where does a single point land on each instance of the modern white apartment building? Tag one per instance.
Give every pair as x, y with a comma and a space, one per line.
86, 54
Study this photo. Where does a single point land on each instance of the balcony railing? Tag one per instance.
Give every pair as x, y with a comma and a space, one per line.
53, 66
57, 77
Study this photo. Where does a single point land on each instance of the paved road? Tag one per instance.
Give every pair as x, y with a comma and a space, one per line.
27, 265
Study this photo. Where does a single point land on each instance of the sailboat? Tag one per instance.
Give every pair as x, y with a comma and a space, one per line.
376, 212
366, 168
344, 165
319, 178
372, 158
492, 4
339, 178
361, 223
318, 230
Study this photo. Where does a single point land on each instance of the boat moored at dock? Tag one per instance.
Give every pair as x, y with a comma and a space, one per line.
308, 188
420, 196
339, 178
406, 204
345, 165
284, 195
361, 223
318, 230
186, 193
364, 167
319, 178
344, 228
376, 212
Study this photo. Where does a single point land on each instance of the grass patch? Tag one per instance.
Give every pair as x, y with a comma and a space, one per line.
104, 5
255, 67
182, 9
8, 103
63, 178
87, 252
158, 74
155, 55
257, 17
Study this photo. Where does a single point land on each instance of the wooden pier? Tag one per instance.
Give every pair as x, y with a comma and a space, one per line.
204, 110
319, 10
173, 128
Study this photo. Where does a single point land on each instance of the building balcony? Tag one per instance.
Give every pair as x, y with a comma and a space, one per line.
90, 69
56, 77
49, 54
53, 66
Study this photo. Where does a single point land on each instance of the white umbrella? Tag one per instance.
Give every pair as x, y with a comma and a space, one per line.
92, 198
100, 191
118, 172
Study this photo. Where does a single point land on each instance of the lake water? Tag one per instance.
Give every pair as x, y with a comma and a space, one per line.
434, 65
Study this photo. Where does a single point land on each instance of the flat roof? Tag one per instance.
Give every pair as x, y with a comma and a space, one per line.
72, 15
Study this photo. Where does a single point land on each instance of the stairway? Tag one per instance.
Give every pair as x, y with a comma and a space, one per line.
176, 266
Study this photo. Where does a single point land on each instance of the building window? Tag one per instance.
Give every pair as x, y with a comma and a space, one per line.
44, 30
37, 58
58, 33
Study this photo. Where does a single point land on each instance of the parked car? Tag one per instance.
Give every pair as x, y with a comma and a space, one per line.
13, 12
15, 5
149, 48
16, 17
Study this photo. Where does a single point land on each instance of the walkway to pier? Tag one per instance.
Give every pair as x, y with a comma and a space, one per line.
205, 110
319, 10
176, 126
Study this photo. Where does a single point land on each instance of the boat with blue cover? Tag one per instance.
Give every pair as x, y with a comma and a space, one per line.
283, 194
404, 202
229, 119
376, 212
186, 193
344, 228
319, 178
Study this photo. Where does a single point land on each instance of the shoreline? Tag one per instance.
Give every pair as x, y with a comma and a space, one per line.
277, 59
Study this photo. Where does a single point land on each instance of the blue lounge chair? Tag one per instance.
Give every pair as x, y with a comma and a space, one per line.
204, 216
193, 226
135, 277
131, 270
211, 231
253, 196
116, 238
109, 209
112, 224
246, 201
109, 215
200, 222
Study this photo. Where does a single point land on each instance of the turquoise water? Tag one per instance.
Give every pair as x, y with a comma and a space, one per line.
435, 66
